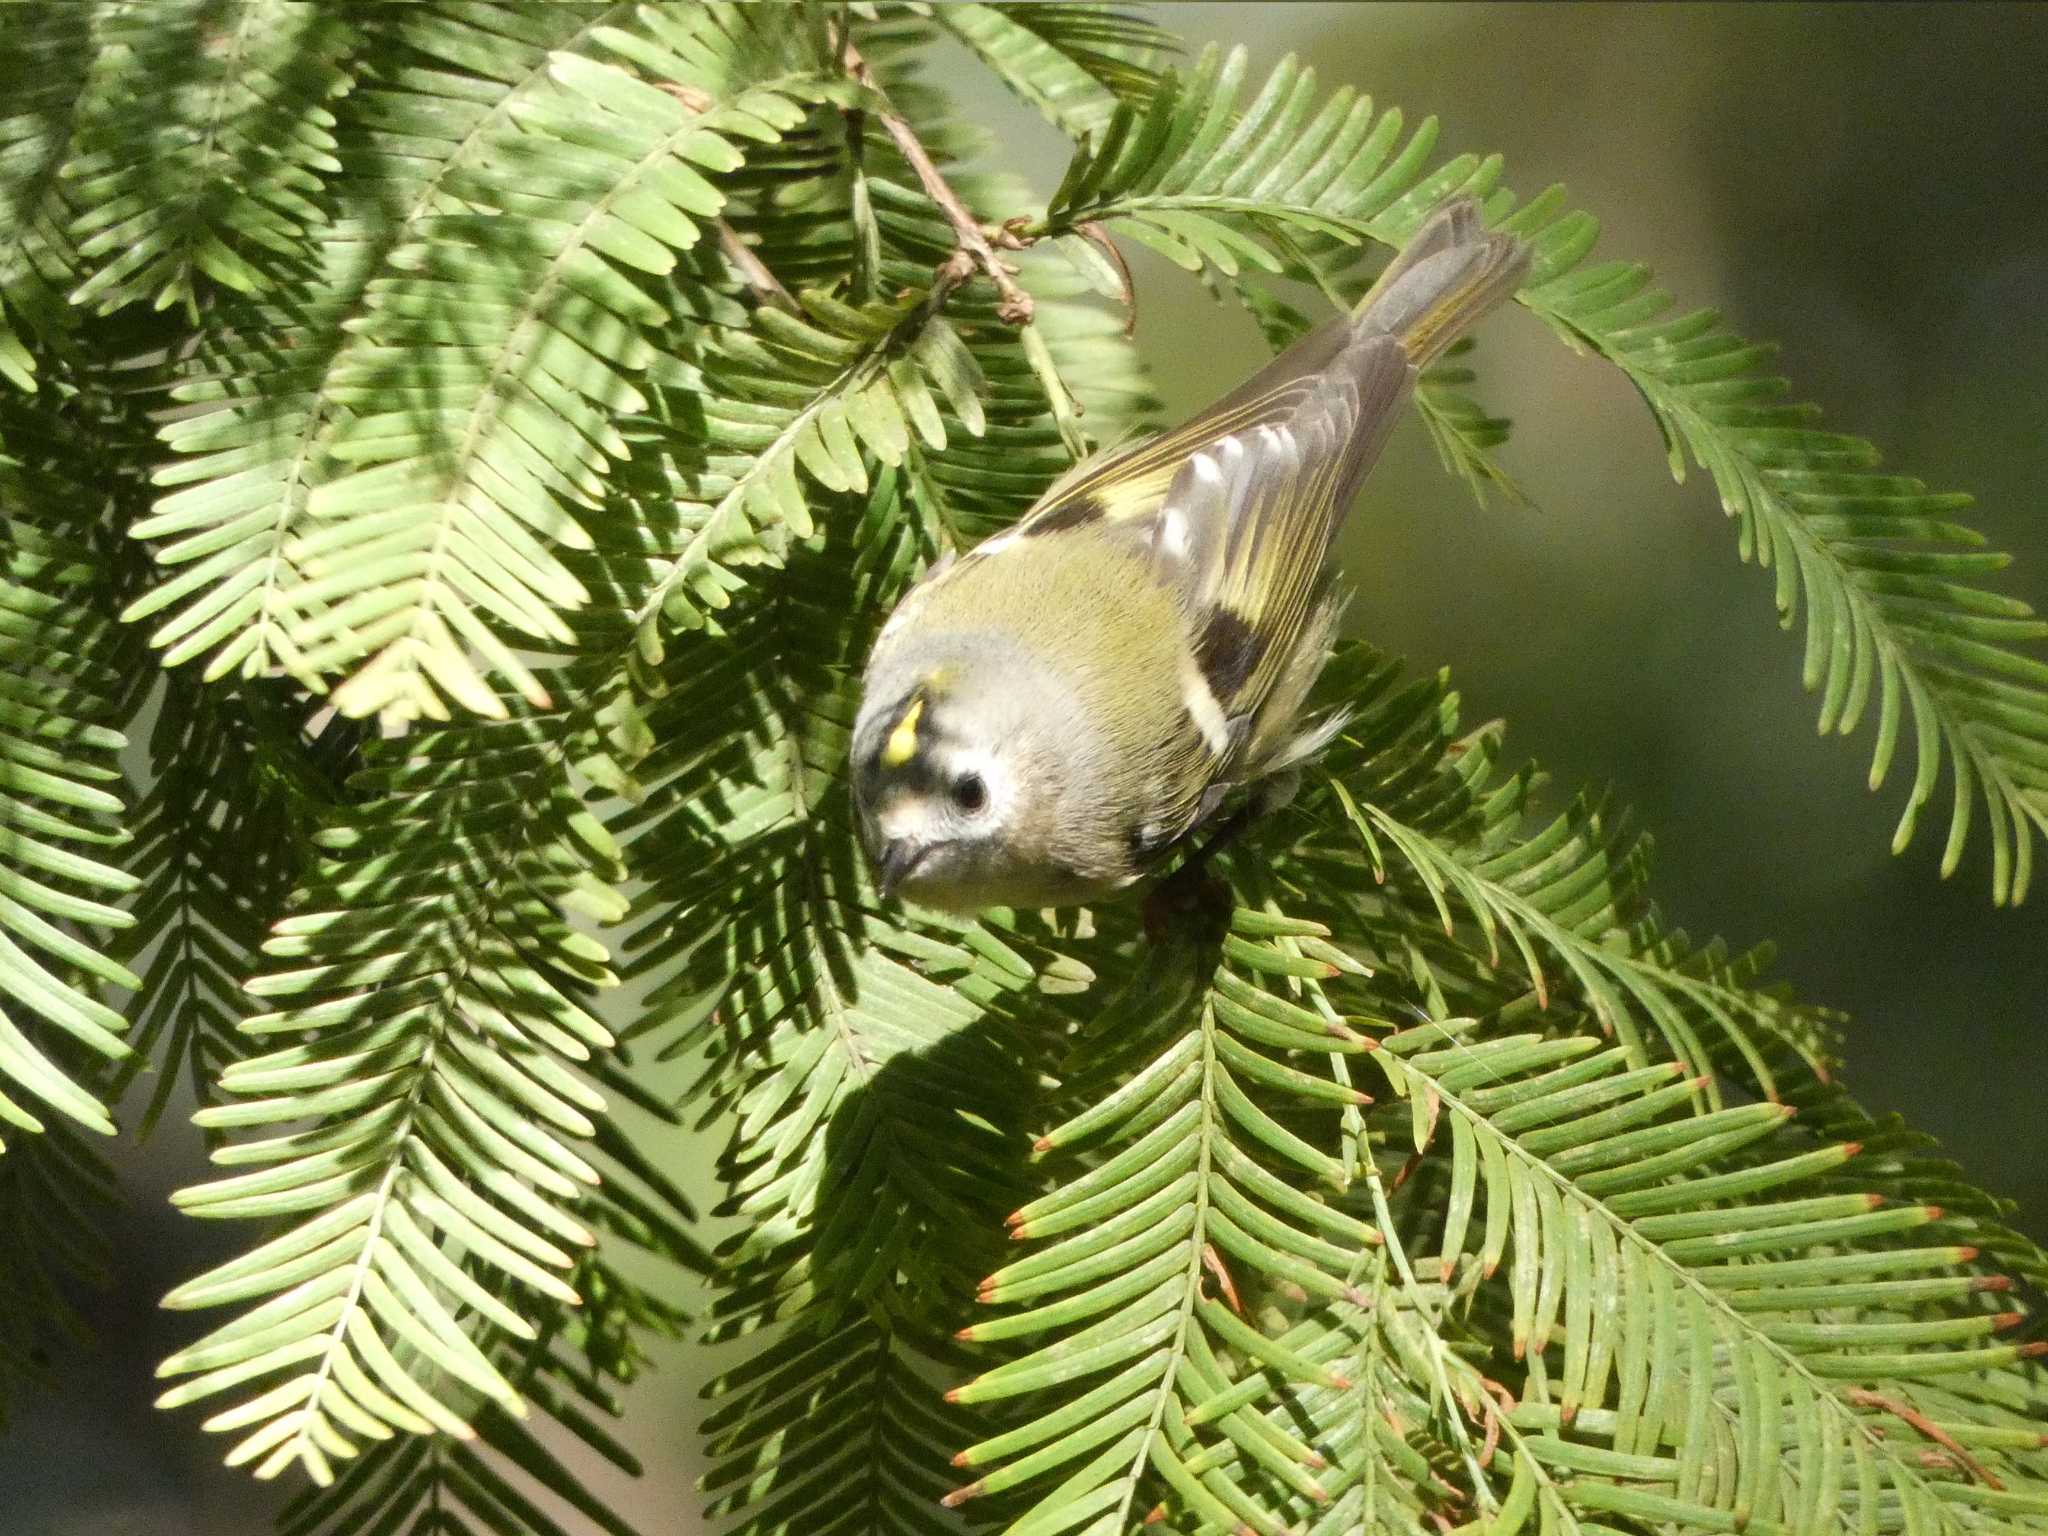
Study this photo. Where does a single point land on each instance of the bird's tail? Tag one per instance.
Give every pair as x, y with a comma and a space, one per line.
1448, 275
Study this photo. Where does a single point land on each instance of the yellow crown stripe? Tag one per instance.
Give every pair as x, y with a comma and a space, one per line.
901, 746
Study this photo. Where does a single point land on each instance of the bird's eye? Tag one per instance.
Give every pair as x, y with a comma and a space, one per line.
969, 792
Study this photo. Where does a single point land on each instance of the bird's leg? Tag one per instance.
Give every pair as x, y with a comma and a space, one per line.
1227, 831
1192, 897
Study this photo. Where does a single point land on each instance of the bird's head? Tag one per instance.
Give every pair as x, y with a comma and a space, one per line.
958, 772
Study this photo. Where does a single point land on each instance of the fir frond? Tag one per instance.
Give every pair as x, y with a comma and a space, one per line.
825, 390
1906, 1166
203, 146
59, 817
1196, 1198
1088, 372
427, 1112
233, 795
522, 1474
45, 53
1202, 180
504, 1483
270, 378
1072, 63
56, 1194
500, 344
1895, 614
837, 1430
1632, 1286
1463, 431
1528, 913
511, 433
1887, 576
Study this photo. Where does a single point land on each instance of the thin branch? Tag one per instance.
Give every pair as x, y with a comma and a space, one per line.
752, 270
1900, 1409
1096, 235
748, 263
1023, 232
973, 249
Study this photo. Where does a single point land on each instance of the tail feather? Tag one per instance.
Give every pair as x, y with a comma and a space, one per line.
1448, 275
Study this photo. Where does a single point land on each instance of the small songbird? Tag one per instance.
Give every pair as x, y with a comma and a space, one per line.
1047, 715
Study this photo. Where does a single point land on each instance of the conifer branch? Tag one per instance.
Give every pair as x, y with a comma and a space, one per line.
974, 251
586, 354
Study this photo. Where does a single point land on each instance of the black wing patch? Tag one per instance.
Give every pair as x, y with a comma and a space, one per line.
1227, 650
1066, 514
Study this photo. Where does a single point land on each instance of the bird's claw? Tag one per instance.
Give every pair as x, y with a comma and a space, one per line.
1193, 902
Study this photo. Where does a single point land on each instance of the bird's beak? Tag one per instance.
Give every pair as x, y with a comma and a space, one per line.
897, 860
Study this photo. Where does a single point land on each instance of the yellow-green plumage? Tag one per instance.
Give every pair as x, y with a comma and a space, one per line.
1091, 603
1048, 714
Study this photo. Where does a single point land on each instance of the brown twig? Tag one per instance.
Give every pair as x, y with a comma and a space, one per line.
1903, 1410
1407, 1171
1213, 1262
1018, 235
755, 271
1496, 1402
742, 256
1097, 236
1013, 304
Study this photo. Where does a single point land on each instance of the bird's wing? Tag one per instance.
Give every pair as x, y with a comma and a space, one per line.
1245, 527
1449, 273
1237, 507
1127, 483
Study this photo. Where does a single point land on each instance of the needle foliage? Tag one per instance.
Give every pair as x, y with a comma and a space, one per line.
454, 459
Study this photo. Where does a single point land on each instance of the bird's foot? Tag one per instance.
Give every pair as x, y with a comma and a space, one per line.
1193, 903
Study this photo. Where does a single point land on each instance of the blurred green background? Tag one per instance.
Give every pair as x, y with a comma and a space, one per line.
1860, 183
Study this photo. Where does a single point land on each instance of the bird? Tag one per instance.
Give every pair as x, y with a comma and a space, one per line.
1047, 716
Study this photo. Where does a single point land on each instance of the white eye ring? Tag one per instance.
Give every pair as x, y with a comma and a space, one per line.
970, 793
